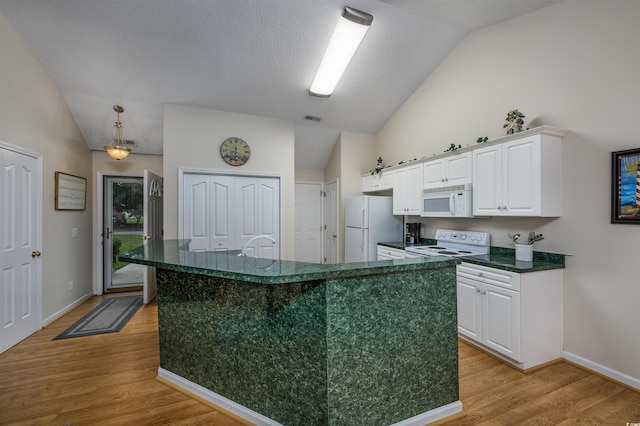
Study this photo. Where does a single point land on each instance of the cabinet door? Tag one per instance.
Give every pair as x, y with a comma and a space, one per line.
501, 320
487, 181
407, 190
400, 191
469, 308
433, 174
521, 179
458, 171
369, 183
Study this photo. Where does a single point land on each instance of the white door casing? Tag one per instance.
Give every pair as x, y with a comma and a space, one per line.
308, 222
20, 239
331, 235
152, 211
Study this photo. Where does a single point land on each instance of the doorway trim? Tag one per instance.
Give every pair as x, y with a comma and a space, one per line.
38, 214
101, 176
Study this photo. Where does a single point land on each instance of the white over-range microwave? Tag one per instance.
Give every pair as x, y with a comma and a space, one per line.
450, 201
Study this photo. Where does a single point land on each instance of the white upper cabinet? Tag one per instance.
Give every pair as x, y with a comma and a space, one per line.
407, 190
448, 171
519, 177
379, 182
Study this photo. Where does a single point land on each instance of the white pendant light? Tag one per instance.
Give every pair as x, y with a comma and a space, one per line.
351, 29
117, 149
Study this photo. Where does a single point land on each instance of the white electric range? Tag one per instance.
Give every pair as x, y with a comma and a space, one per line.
452, 243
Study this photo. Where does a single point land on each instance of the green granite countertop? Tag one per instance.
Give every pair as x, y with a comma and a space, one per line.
501, 258
175, 255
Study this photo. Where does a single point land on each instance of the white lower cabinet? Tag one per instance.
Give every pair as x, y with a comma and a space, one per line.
389, 253
517, 317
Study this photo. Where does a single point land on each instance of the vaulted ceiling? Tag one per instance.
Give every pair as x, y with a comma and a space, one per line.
247, 56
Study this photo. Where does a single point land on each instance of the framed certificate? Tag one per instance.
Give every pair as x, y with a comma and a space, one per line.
71, 192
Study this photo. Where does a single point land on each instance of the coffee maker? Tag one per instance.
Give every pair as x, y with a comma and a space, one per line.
412, 234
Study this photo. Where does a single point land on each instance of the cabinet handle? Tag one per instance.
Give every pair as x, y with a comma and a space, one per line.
499, 208
479, 274
477, 290
483, 292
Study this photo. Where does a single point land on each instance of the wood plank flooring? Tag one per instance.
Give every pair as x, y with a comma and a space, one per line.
109, 379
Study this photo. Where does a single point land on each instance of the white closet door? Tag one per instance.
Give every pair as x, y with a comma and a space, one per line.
196, 211
222, 212
222, 195
268, 215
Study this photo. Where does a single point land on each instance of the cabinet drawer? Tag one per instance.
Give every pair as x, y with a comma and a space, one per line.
497, 277
389, 253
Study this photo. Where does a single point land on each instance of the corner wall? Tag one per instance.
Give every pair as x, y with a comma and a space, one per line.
34, 116
573, 65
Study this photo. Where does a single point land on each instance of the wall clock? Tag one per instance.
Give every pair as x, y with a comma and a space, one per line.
235, 151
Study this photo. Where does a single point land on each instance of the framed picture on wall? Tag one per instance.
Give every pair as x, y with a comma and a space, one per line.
71, 192
625, 186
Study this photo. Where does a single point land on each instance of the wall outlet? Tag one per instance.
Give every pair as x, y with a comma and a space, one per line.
71, 285
74, 232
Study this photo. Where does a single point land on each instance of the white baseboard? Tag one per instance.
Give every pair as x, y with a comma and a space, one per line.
432, 415
66, 309
260, 420
630, 381
215, 399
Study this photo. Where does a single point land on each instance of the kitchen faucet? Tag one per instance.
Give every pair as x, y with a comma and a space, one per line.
244, 247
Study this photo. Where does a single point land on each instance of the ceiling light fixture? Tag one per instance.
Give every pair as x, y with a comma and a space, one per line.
351, 29
117, 149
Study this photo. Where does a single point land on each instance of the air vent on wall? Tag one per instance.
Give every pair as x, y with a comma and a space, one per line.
129, 142
312, 118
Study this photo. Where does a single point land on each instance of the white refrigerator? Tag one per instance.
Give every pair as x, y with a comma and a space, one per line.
369, 220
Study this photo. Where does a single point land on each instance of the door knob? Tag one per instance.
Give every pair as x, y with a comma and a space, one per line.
35, 254
334, 236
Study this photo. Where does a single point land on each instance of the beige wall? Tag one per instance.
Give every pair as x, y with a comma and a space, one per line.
102, 163
574, 65
353, 154
307, 175
34, 116
192, 138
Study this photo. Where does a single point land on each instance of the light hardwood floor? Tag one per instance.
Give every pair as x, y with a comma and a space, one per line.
109, 379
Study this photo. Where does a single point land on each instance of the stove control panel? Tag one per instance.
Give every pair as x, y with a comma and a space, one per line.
466, 237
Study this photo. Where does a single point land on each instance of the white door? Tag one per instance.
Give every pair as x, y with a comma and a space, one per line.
123, 221
20, 263
331, 222
152, 227
308, 232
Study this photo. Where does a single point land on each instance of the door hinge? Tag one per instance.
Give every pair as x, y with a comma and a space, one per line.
323, 194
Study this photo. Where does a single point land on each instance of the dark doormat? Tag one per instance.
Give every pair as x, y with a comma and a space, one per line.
108, 317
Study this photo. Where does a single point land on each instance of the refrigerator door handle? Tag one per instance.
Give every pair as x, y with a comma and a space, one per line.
362, 220
362, 241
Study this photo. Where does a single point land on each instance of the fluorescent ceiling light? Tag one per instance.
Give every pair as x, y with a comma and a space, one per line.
351, 28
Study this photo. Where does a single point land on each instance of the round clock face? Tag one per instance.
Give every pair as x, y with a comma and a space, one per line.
235, 151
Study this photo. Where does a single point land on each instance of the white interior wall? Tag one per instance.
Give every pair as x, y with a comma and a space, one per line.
34, 116
573, 65
192, 138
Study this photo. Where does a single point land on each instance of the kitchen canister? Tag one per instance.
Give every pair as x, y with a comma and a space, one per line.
524, 252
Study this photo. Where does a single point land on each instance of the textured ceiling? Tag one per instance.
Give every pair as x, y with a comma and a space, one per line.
248, 56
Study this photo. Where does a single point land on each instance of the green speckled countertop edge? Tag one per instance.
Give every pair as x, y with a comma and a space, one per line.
174, 255
502, 258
